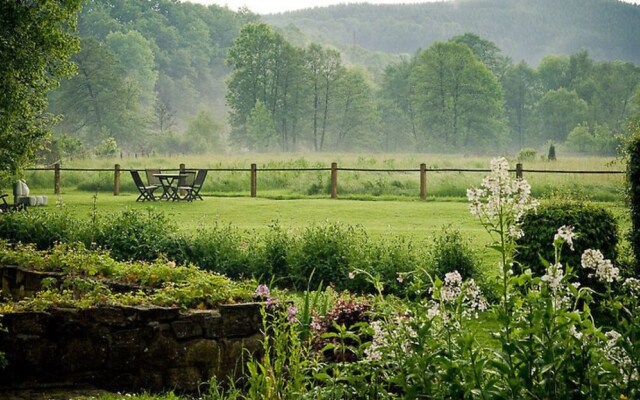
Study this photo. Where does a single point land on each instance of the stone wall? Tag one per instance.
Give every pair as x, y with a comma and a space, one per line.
123, 348
128, 348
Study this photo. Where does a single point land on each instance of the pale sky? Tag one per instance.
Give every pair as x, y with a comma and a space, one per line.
270, 6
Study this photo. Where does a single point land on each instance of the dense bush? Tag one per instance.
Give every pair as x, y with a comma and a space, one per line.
330, 254
451, 252
134, 235
594, 226
43, 229
633, 178
527, 154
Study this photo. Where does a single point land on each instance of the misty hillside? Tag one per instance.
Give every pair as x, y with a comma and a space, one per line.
523, 29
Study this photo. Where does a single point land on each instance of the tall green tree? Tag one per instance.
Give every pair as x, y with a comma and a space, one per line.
356, 114
93, 102
261, 128
521, 94
204, 134
486, 51
396, 95
37, 39
323, 67
265, 68
458, 99
559, 112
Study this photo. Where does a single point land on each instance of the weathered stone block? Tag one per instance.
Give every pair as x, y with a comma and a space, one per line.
205, 351
186, 329
241, 320
187, 379
82, 354
124, 358
162, 350
30, 323
110, 316
211, 323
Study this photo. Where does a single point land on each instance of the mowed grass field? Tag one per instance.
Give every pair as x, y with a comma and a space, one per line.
299, 182
418, 221
285, 197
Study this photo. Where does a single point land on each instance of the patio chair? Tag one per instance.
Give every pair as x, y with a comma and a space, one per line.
180, 193
4, 206
146, 191
153, 180
193, 191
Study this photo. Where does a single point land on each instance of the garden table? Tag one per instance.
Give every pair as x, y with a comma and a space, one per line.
169, 189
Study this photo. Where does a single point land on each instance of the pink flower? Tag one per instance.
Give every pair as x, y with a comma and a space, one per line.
262, 291
292, 311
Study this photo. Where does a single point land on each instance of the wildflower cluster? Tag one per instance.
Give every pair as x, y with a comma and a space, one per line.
604, 269
500, 196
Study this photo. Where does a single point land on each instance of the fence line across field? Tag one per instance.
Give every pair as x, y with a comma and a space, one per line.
334, 169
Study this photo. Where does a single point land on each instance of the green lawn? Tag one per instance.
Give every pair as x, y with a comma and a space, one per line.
419, 221
414, 219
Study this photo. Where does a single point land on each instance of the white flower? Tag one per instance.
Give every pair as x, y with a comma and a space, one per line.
632, 284
554, 276
591, 258
451, 288
352, 275
575, 333
433, 311
565, 233
604, 269
501, 200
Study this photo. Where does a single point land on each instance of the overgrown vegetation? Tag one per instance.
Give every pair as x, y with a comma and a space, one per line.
633, 181
596, 226
90, 279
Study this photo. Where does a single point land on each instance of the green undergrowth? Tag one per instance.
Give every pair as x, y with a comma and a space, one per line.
88, 277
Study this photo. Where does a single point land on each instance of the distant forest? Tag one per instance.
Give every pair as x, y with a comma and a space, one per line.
164, 76
524, 30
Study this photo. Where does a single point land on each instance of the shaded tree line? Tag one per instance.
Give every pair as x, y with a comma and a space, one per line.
460, 95
150, 76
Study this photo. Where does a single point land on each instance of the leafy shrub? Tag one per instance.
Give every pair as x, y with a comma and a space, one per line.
451, 252
321, 254
551, 156
270, 261
220, 249
633, 179
43, 228
135, 235
527, 154
595, 227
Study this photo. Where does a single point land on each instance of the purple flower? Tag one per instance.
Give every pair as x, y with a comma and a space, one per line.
292, 311
262, 291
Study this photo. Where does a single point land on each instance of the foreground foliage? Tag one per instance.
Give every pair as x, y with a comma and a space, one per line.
92, 278
35, 50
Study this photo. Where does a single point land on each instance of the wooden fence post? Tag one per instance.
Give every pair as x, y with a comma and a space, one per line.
518, 171
182, 168
423, 181
254, 180
56, 178
116, 180
334, 180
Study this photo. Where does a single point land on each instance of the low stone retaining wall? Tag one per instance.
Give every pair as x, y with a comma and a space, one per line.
128, 348
121, 348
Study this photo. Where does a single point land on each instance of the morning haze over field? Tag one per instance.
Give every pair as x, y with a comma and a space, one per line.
466, 76
352, 201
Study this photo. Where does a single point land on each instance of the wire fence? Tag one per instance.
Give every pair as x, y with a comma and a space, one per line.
334, 169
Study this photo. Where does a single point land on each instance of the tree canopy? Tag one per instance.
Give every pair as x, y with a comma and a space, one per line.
36, 43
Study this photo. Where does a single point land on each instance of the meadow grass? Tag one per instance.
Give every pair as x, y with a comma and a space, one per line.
364, 185
419, 221
299, 199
